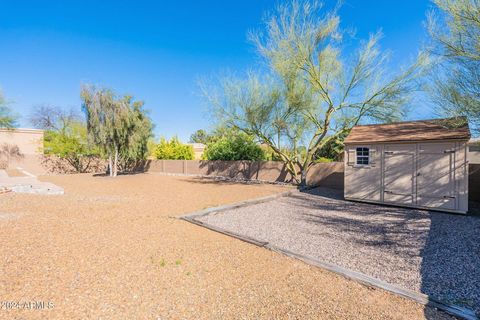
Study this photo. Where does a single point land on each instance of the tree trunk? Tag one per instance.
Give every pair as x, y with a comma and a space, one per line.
110, 165
87, 165
303, 177
290, 166
115, 162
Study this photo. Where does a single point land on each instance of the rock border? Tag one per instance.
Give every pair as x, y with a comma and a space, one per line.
364, 279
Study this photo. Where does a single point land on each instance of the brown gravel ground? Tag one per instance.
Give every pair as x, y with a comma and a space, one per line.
110, 249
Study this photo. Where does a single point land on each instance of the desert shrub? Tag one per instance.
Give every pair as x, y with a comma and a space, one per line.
67, 148
234, 146
71, 145
323, 160
173, 150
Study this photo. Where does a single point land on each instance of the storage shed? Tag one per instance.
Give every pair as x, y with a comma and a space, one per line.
420, 164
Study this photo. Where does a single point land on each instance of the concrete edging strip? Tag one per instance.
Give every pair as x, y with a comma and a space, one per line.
236, 205
364, 279
371, 281
26, 172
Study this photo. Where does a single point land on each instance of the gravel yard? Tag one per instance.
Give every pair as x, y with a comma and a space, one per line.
434, 253
114, 249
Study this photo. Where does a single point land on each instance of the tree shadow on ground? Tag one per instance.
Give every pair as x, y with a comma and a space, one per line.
386, 228
248, 170
450, 267
221, 181
106, 175
447, 245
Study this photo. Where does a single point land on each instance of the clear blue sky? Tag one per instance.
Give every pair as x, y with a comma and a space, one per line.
157, 50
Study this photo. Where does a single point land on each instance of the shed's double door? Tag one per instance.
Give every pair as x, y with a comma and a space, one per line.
419, 174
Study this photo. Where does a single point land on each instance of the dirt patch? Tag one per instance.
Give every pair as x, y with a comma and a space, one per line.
8, 216
15, 173
111, 248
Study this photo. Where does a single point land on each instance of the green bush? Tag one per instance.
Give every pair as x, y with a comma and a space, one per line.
72, 145
323, 160
152, 148
234, 146
332, 150
173, 150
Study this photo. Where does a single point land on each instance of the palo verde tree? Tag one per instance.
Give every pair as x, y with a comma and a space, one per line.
455, 30
65, 136
7, 118
119, 125
315, 92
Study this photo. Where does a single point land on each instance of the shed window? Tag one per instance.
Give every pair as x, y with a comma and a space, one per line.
363, 155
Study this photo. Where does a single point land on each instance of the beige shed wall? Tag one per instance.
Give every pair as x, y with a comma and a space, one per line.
461, 175
363, 182
368, 183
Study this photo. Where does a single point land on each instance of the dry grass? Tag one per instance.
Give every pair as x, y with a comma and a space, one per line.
109, 248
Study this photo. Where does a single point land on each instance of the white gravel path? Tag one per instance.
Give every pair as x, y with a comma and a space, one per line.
434, 253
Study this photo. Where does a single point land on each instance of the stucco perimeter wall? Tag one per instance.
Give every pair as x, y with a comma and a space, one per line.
325, 174
30, 144
29, 141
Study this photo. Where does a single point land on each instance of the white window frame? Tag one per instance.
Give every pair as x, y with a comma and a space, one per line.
368, 164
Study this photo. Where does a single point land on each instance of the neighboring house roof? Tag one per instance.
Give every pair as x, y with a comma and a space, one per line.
197, 146
430, 130
474, 141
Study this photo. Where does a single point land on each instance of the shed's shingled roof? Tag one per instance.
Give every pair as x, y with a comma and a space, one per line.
436, 129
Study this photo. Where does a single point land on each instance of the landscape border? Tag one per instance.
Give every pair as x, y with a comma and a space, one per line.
364, 279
